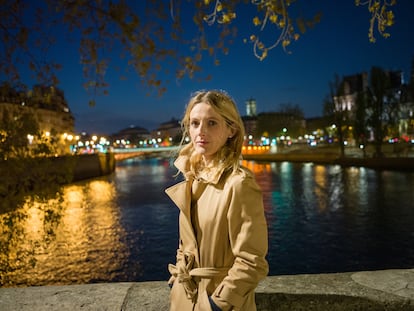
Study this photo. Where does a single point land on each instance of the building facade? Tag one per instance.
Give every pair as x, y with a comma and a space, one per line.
168, 133
47, 104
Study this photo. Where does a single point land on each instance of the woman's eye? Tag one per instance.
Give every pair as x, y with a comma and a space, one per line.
194, 123
212, 122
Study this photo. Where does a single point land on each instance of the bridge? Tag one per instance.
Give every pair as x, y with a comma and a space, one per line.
150, 152
128, 153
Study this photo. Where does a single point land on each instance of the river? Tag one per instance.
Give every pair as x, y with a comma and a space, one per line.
122, 227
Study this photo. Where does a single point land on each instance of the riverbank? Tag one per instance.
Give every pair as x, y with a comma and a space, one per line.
391, 290
331, 155
44, 176
93, 165
385, 163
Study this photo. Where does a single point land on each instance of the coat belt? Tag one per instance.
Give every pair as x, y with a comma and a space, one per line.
185, 274
208, 272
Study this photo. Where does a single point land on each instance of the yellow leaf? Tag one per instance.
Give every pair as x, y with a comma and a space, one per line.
264, 54
219, 7
226, 18
273, 18
285, 43
256, 21
390, 18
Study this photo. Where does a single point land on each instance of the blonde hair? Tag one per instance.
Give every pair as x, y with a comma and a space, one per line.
228, 157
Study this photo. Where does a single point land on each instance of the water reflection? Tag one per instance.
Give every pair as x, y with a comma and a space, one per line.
325, 218
44, 242
321, 218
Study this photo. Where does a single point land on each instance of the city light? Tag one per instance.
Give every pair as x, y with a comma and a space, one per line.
30, 138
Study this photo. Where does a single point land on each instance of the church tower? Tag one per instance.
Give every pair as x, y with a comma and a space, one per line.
251, 108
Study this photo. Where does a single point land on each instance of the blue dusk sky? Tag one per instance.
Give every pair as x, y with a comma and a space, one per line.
337, 45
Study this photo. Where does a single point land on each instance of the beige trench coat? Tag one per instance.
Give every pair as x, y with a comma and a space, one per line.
222, 250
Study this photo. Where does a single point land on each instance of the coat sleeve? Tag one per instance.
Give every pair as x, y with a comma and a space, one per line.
249, 243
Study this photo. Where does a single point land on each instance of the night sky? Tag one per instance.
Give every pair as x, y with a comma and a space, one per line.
337, 45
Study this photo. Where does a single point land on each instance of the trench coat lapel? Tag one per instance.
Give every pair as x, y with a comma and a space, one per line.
180, 194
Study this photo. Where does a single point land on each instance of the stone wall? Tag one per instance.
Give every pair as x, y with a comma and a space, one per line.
391, 290
383, 290
93, 165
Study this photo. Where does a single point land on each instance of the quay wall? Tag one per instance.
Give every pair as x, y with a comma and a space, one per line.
93, 165
64, 168
44, 175
383, 163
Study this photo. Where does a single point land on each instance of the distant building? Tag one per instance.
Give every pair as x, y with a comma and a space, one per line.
168, 132
397, 104
250, 126
320, 128
276, 124
47, 104
350, 87
48, 108
132, 136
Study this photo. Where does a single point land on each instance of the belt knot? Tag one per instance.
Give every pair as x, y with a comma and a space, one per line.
182, 274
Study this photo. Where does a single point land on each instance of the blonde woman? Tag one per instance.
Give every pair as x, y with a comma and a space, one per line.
222, 227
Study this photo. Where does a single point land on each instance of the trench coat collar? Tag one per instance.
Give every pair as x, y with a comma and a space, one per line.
182, 164
180, 193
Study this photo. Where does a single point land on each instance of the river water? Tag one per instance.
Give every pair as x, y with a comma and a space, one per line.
321, 218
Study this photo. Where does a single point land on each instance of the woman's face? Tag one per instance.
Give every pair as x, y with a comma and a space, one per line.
208, 130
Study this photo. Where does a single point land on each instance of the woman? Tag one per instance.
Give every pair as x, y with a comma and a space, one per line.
222, 227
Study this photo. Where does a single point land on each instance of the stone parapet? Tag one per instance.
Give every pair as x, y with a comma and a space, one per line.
389, 290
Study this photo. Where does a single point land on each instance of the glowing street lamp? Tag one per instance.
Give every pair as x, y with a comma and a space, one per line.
30, 138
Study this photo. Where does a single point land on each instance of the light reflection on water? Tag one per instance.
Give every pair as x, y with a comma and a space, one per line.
321, 218
324, 218
74, 238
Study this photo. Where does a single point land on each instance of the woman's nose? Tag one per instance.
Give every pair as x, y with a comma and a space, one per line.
202, 128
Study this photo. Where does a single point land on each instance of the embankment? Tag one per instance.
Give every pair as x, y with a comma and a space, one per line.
383, 163
93, 165
44, 176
